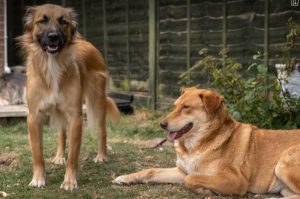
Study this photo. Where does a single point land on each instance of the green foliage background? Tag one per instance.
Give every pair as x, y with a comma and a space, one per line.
253, 95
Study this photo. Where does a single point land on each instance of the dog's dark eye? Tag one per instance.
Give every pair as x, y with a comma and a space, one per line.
62, 21
186, 106
44, 20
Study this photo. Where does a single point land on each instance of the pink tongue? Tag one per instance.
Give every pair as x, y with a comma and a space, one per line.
172, 136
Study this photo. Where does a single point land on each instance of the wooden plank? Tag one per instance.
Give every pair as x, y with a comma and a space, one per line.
224, 31
158, 13
153, 52
127, 40
122, 100
83, 10
266, 33
105, 38
13, 111
64, 2
188, 37
266, 43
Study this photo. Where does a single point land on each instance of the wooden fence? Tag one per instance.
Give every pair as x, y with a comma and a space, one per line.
154, 41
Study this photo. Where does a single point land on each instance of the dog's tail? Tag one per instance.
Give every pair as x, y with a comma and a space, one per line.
98, 108
112, 110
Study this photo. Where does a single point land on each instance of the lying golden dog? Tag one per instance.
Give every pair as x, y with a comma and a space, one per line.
217, 154
63, 70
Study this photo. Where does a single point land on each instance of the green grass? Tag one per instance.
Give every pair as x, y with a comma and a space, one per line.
126, 155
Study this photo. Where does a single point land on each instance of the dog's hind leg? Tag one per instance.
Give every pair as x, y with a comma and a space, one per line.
287, 170
96, 104
101, 154
154, 175
107, 107
59, 158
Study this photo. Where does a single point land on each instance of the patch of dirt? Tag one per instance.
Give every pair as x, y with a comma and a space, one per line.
8, 160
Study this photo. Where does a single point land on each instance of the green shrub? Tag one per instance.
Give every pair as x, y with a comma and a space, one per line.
254, 97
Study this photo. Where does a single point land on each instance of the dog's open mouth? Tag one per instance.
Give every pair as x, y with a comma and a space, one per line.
52, 48
173, 135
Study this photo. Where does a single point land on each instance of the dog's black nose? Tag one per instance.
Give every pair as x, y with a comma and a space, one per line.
164, 124
53, 36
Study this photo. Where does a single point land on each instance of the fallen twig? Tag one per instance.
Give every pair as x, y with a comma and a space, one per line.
155, 143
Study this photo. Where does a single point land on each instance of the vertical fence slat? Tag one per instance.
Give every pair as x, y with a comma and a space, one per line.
127, 41
157, 51
188, 36
266, 34
266, 42
83, 10
224, 31
104, 29
153, 52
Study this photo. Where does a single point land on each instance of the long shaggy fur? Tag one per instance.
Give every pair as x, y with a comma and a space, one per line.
61, 75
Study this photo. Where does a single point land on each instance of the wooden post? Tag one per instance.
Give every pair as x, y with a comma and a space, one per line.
224, 32
266, 34
105, 38
153, 52
127, 41
188, 37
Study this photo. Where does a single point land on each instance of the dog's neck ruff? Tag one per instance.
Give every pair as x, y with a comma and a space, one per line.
52, 71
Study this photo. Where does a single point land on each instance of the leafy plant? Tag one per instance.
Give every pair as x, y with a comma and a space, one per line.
255, 98
293, 32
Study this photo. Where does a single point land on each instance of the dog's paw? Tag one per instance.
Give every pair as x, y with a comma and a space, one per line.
59, 160
123, 180
100, 159
37, 182
203, 191
69, 185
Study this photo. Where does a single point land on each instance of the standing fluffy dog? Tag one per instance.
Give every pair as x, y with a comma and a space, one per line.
63, 70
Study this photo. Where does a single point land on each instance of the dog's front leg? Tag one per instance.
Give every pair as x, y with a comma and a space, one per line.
222, 183
74, 138
154, 175
35, 135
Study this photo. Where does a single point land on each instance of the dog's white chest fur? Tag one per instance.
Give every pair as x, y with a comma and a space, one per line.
53, 73
187, 164
192, 164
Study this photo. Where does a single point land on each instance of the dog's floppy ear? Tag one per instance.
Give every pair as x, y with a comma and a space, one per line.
28, 18
73, 17
211, 101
